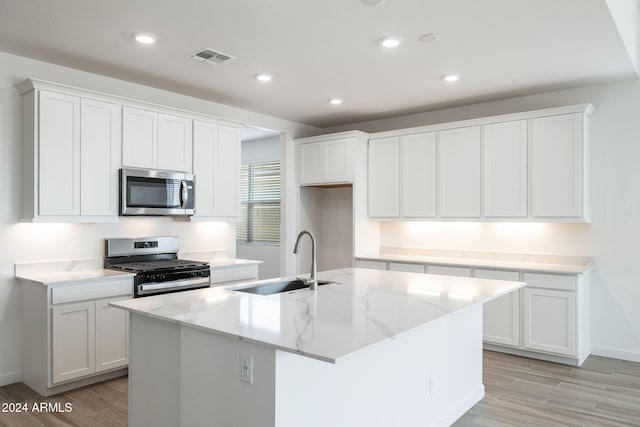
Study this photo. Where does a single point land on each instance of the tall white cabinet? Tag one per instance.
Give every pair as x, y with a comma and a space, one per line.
558, 166
216, 165
384, 178
418, 175
100, 148
58, 165
504, 169
459, 172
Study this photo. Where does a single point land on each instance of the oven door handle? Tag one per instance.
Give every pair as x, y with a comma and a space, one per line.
153, 286
184, 194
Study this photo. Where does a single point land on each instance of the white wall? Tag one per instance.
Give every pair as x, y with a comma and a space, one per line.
24, 242
613, 237
262, 150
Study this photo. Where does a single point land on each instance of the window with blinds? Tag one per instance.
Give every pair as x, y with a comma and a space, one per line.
259, 203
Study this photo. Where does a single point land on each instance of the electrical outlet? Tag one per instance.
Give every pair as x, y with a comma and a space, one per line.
246, 367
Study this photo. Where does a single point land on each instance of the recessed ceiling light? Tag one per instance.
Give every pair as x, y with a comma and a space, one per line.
390, 42
451, 78
372, 2
264, 77
335, 101
429, 38
145, 38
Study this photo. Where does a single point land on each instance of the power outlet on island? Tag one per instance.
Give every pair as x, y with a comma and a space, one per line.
246, 367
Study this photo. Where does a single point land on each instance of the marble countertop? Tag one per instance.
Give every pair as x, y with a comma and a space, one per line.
63, 272
521, 262
231, 262
363, 308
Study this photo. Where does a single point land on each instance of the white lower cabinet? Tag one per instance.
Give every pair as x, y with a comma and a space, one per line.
549, 321
87, 338
71, 336
112, 336
501, 316
73, 341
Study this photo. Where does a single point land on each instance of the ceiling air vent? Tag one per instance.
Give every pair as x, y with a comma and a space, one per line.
210, 56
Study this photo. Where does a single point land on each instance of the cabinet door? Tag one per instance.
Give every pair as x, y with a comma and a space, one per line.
312, 163
139, 138
459, 173
100, 142
418, 165
73, 341
384, 178
112, 340
505, 169
228, 172
175, 143
205, 147
338, 161
501, 316
59, 154
549, 320
556, 166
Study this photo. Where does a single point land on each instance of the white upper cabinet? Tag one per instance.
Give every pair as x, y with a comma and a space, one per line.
228, 172
216, 165
526, 166
139, 138
175, 146
459, 172
156, 141
58, 168
325, 162
384, 178
418, 175
100, 142
504, 169
557, 167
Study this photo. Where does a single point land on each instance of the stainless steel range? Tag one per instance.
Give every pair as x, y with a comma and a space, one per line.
154, 260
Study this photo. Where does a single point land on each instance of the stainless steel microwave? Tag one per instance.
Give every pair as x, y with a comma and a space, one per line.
156, 192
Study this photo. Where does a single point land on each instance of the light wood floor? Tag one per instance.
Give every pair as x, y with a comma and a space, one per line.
518, 392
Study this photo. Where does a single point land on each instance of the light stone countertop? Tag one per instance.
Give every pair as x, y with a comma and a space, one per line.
62, 272
363, 308
509, 261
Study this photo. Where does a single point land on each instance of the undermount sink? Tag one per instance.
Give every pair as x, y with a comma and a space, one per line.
278, 287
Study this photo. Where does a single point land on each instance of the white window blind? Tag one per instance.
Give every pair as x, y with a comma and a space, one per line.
259, 203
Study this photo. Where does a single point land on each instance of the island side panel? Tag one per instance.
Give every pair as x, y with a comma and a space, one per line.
154, 372
428, 376
212, 392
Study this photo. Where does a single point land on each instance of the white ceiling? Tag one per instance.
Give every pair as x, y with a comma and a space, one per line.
321, 49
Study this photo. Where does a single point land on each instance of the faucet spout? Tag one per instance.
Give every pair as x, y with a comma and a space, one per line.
313, 280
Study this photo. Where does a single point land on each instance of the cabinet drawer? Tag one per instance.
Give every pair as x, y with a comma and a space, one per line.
93, 290
551, 281
449, 271
375, 265
233, 274
406, 267
482, 273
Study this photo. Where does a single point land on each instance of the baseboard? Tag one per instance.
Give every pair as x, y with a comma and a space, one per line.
476, 396
616, 353
12, 377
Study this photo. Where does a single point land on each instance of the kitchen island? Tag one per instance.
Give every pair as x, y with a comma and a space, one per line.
375, 348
